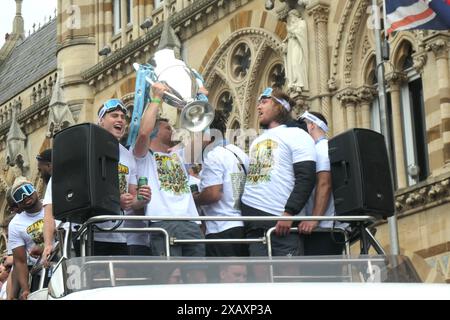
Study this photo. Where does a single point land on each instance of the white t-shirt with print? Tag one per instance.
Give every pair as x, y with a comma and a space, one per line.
221, 166
323, 164
26, 229
270, 179
168, 179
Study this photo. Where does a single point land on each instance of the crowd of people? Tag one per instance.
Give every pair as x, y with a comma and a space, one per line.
286, 173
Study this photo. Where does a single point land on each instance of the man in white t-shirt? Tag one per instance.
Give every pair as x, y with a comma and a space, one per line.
321, 202
168, 179
25, 232
222, 181
112, 117
281, 175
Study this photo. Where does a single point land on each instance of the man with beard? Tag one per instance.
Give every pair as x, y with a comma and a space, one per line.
25, 232
44, 164
281, 175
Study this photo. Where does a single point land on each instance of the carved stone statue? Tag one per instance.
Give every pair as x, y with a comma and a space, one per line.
296, 52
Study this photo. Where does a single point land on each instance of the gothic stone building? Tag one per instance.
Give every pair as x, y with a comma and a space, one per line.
55, 77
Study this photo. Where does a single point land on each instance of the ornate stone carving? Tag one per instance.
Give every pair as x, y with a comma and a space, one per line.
439, 46
340, 33
256, 41
3, 184
348, 96
419, 60
221, 63
60, 115
332, 84
396, 78
300, 106
184, 19
434, 193
241, 61
269, 40
351, 40
319, 12
365, 47
288, 5
244, 93
16, 154
277, 77
282, 12
366, 93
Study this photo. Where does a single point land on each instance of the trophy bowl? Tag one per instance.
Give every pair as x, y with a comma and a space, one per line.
183, 84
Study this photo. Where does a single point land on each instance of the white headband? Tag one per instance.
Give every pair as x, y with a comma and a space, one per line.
309, 116
283, 102
267, 93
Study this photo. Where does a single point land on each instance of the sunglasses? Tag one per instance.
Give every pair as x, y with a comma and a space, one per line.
111, 105
23, 191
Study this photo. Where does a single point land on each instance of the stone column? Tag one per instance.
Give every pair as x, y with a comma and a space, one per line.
141, 13
440, 48
394, 80
108, 28
349, 99
100, 26
319, 10
366, 95
123, 21
136, 19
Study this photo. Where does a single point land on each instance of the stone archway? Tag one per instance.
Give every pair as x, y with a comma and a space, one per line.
243, 64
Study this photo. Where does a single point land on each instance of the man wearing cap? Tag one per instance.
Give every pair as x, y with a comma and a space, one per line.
44, 164
281, 175
321, 202
25, 231
112, 117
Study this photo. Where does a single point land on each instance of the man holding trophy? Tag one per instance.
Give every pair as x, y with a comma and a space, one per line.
173, 82
181, 87
168, 178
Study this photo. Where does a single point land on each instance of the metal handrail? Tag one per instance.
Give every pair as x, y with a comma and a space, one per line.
299, 259
86, 228
126, 230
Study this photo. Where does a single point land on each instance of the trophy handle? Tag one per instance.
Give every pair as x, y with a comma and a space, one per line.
169, 97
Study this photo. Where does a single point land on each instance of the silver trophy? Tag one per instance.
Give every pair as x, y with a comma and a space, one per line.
183, 85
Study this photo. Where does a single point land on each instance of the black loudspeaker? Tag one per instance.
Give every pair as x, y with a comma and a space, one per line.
361, 175
85, 181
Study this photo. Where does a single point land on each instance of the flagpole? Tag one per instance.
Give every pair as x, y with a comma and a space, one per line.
385, 129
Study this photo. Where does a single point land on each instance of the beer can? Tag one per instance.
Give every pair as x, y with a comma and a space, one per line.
142, 181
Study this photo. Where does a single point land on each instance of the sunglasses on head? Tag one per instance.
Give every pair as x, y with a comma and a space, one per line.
23, 191
110, 105
267, 94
